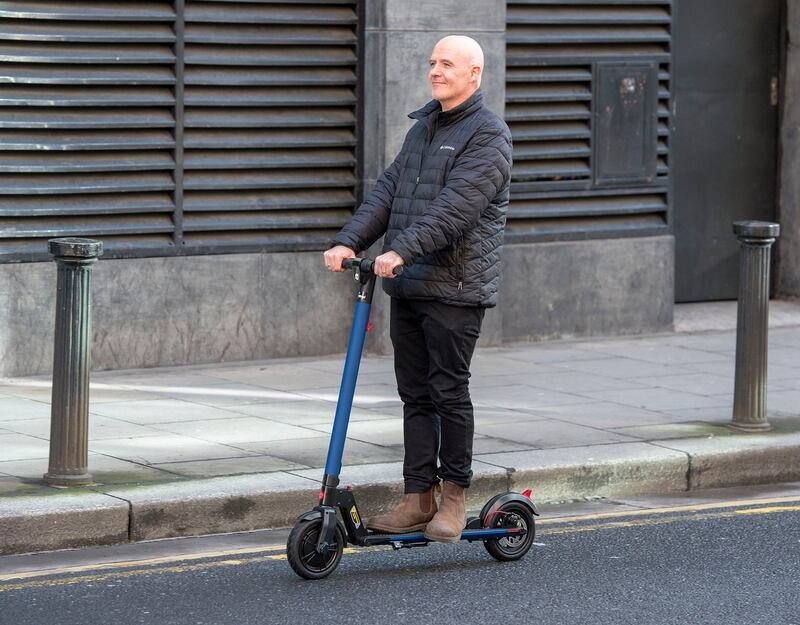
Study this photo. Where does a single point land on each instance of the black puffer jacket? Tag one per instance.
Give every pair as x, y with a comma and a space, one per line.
442, 205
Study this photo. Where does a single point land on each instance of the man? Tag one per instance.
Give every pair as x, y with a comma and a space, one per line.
442, 207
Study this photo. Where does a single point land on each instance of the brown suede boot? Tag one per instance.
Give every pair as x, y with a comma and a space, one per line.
447, 525
410, 515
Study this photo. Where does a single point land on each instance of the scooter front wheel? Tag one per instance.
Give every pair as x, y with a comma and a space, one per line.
512, 514
301, 550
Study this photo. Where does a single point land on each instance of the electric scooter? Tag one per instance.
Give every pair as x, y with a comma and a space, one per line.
314, 549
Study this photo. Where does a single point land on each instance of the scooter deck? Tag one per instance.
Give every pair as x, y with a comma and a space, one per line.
415, 539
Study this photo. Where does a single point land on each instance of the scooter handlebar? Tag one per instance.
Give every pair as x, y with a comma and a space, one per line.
366, 265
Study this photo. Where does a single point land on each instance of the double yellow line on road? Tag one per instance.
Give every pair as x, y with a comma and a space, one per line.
184, 563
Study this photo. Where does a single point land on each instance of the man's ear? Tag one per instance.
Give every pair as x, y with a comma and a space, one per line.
476, 74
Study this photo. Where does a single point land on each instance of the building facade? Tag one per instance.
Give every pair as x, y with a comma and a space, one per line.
215, 147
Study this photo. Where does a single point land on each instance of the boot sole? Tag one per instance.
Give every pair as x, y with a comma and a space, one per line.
385, 529
442, 539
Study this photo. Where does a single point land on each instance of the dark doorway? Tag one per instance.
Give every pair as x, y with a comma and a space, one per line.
726, 58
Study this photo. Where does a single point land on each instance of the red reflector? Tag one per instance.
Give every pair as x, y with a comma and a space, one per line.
348, 487
527, 493
369, 327
321, 495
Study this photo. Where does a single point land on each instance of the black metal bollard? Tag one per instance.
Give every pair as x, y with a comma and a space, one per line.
69, 415
752, 324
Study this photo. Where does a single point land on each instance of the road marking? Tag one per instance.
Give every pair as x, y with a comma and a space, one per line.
185, 568
688, 508
145, 562
151, 565
767, 510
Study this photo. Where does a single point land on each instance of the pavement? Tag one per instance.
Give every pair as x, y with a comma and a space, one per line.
236, 447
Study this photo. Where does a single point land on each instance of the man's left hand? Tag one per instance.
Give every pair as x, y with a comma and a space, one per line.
385, 264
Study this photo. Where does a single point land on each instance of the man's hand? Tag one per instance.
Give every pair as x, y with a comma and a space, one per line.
385, 264
335, 256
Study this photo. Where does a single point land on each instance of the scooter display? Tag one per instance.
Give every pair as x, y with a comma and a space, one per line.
314, 549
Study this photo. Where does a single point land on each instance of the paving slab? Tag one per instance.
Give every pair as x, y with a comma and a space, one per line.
104, 470
551, 433
697, 383
523, 397
23, 447
312, 452
151, 411
621, 368
237, 429
165, 447
606, 415
658, 399
16, 408
307, 412
229, 466
100, 427
568, 382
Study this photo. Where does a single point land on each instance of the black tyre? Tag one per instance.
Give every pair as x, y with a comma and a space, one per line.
301, 550
511, 514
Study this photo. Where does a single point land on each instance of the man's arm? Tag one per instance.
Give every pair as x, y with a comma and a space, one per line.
371, 219
479, 174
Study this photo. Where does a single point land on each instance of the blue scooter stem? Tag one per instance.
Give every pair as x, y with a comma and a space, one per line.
355, 346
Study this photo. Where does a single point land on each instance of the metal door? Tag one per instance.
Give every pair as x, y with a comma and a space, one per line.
725, 124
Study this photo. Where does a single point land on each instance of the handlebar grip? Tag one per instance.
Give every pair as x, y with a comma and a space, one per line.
366, 265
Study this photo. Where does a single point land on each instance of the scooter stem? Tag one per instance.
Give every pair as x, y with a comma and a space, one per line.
355, 346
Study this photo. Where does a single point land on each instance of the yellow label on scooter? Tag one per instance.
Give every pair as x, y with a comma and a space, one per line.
354, 515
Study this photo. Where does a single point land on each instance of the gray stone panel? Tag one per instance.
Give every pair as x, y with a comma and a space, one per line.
583, 288
27, 317
788, 247
469, 15
172, 311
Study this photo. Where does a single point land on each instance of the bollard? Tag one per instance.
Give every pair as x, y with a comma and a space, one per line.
752, 324
69, 415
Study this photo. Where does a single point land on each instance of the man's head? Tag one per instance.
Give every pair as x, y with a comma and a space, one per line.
456, 66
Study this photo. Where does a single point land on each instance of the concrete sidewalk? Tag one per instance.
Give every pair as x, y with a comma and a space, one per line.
219, 448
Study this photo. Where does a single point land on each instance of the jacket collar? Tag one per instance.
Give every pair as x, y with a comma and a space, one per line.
432, 111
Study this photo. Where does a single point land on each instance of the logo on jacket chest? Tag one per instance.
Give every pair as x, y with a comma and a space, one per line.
447, 147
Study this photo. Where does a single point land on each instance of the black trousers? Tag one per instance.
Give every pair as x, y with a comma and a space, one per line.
433, 347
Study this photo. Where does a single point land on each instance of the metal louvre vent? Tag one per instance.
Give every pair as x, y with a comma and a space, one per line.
270, 140
181, 127
86, 124
554, 49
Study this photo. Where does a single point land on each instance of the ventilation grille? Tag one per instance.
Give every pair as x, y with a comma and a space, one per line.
227, 126
269, 123
552, 50
86, 124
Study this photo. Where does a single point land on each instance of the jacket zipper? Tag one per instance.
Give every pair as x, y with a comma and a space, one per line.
460, 257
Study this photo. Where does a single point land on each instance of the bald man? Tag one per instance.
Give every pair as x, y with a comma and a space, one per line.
441, 207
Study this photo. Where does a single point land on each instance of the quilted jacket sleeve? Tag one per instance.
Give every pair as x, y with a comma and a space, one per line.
480, 172
370, 220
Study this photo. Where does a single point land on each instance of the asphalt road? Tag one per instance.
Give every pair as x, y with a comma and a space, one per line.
725, 563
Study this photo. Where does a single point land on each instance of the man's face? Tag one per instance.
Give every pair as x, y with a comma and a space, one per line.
450, 75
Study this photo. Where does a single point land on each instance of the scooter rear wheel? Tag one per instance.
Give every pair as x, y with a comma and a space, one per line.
301, 550
511, 514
